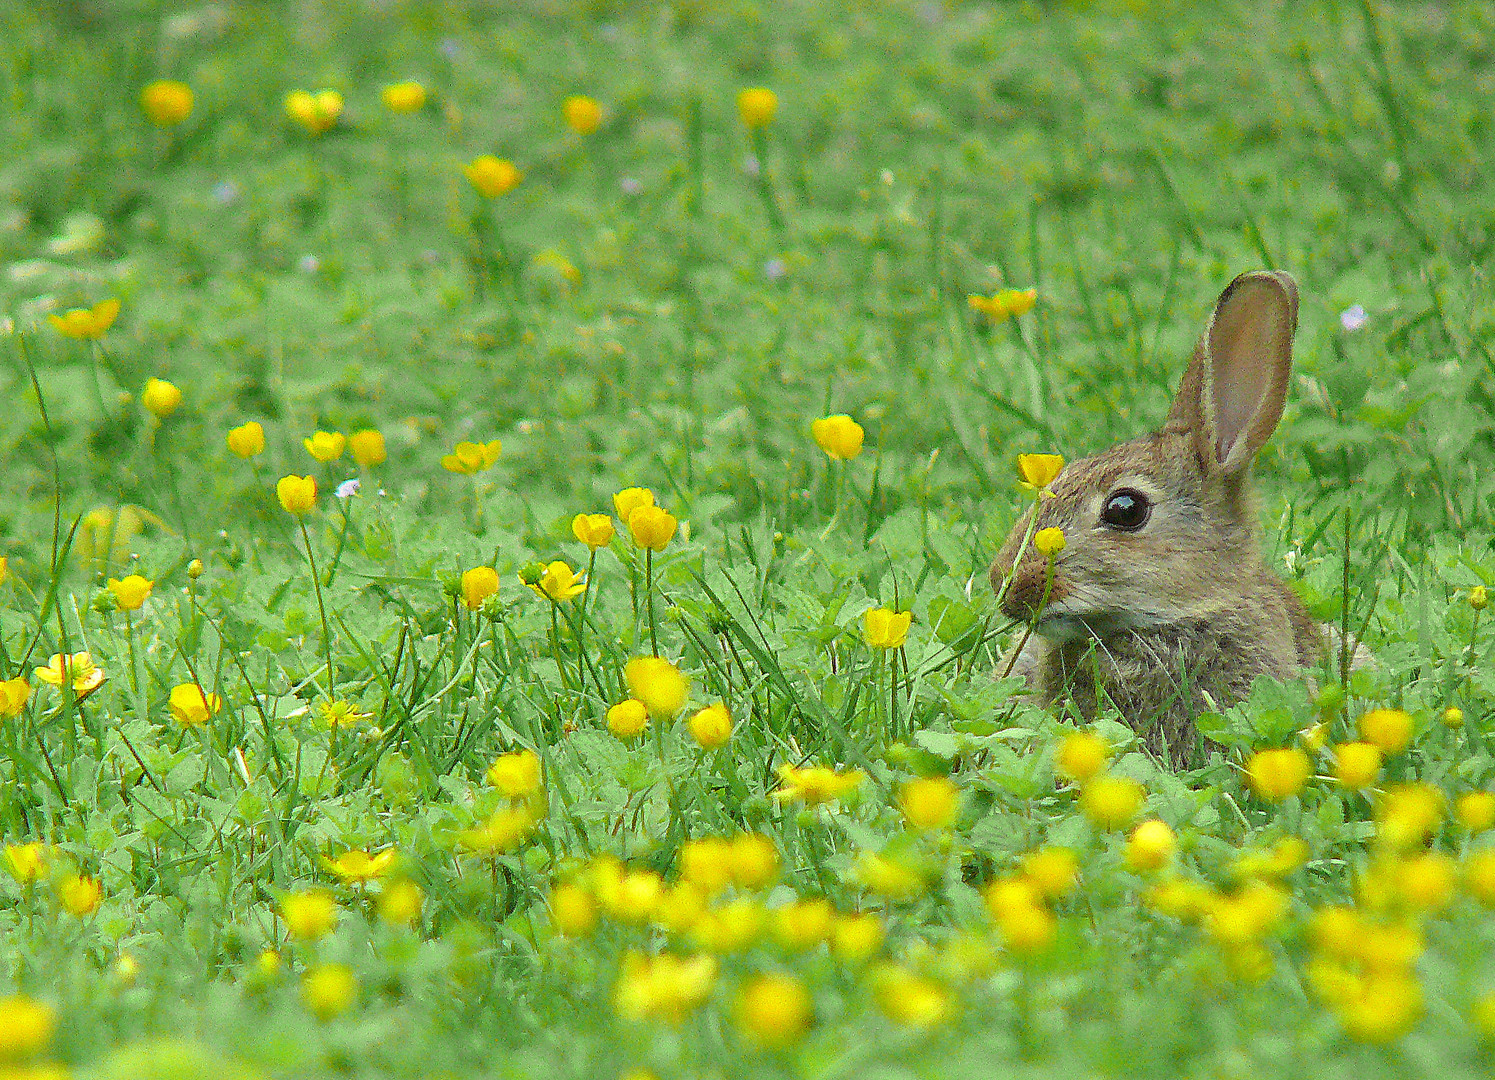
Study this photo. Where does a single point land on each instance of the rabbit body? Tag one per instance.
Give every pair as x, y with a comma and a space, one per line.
1159, 596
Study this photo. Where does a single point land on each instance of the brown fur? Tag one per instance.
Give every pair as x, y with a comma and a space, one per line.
1151, 621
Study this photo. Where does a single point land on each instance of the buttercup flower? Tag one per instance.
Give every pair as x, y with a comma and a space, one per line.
359, 867
1081, 755
583, 114
1111, 801
501, 832
712, 726
659, 684
774, 1010
166, 102
329, 990
367, 447
756, 105
26, 1027
160, 398
815, 784
404, 97
478, 584
192, 706
247, 440
1356, 764
516, 774
1054, 871
1151, 844
839, 436
297, 494
326, 446
628, 718
1277, 774
26, 863
470, 457
593, 530
886, 629
130, 592
1048, 542
858, 936
400, 903
1004, 303
316, 113
492, 176
912, 1000
1390, 729
13, 696
309, 914
80, 895
86, 323
1037, 471
652, 527
559, 582
340, 713
573, 910
79, 669
1479, 598
929, 802
628, 500
1475, 811
664, 987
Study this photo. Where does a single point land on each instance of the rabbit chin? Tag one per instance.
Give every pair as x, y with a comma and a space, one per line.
1059, 625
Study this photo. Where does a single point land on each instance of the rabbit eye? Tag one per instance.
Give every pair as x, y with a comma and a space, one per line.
1126, 510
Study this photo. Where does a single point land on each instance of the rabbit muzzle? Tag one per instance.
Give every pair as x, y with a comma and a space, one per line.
1025, 594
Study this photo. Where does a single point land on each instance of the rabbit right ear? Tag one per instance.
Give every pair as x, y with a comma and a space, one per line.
1232, 394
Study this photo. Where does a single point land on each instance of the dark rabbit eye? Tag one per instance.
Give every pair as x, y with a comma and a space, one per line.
1126, 510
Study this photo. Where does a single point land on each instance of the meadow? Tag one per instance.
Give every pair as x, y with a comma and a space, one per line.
493, 567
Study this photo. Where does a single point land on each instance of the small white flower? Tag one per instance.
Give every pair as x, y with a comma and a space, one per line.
750, 164
309, 264
774, 269
631, 185
1353, 318
348, 488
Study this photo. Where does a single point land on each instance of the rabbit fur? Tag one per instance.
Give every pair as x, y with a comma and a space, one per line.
1152, 618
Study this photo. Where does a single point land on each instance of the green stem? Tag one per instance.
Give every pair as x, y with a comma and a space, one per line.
649, 597
316, 582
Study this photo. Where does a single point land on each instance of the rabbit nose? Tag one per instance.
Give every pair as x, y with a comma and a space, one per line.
1026, 592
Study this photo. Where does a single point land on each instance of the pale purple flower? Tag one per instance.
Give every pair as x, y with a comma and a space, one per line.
774, 269
630, 185
750, 164
226, 193
450, 47
1353, 318
348, 488
309, 264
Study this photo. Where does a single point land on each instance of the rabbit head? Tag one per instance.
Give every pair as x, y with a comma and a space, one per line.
1160, 530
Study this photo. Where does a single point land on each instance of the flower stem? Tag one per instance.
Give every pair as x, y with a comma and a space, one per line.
649, 597
316, 583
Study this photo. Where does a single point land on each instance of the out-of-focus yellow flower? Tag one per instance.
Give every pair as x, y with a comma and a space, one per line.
1382, 1008
1279, 860
711, 727
78, 669
774, 1010
627, 719
663, 987
756, 106
803, 924
26, 861
1390, 729
559, 582
754, 860
478, 584
733, 927
1475, 811
317, 113
359, 867
583, 114
4, 569
706, 863
367, 447
329, 990
165, 102
470, 458
79, 894
297, 494
130, 592
400, 903
1408, 813
1479, 876
26, 1028
628, 500
86, 323
888, 876
326, 446
886, 629
13, 696
929, 802
1049, 542
1180, 898
309, 914
1246, 915
1453, 717
1479, 598
340, 714
1027, 925
912, 1000
247, 440
632, 896
1004, 303
857, 937
1278, 774
1425, 882
1150, 846
839, 436
502, 832
652, 527
516, 774
160, 398
492, 176
659, 684
404, 97
1111, 801
1081, 755
593, 530
192, 706
1054, 871
1357, 764
815, 784
573, 910
1037, 471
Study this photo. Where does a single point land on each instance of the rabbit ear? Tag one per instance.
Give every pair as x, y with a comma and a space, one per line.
1232, 394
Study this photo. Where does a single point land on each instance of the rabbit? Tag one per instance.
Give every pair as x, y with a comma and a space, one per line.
1160, 595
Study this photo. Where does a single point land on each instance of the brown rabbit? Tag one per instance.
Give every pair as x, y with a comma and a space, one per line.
1160, 595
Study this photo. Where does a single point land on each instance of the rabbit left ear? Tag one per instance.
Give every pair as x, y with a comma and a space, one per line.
1232, 394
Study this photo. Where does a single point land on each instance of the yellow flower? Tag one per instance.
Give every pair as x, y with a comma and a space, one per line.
1479, 876
658, 683
1277, 774
400, 903
78, 669
26, 862
1408, 813
711, 727
886, 629
1382, 1008
1052, 870
803, 924
886, 876
1004, 303
929, 802
1282, 858
26, 1028
1048, 542
404, 97
593, 530
664, 987
839, 436
573, 910
1390, 729
912, 1000
339, 713
733, 927
316, 113
559, 582
326, 446
1111, 801
166, 102
367, 447
492, 176
1027, 925
756, 105
515, 774
160, 398
130, 592
815, 784
4, 569
583, 114
13, 696
1037, 471
1150, 846
192, 706
1453, 717
328, 990
309, 914
1245, 916
502, 832
80, 895
628, 500
1475, 811
1479, 598
359, 867
478, 584
632, 896
86, 323
627, 719
1081, 755
1180, 898
1357, 764
652, 527
297, 494
774, 1010
247, 440
754, 860
1425, 882
469, 458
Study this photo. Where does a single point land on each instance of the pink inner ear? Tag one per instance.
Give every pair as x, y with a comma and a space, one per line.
1248, 343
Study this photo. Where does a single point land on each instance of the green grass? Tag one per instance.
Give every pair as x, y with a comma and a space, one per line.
1124, 163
